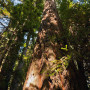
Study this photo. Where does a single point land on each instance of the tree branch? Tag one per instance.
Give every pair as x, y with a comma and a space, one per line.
2, 24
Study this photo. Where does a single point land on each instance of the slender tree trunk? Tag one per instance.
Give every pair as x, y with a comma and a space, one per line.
46, 50
7, 67
18, 79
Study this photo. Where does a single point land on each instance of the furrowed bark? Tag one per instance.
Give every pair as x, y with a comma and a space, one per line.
46, 50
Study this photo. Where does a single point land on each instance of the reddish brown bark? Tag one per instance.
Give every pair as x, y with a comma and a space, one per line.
47, 49
44, 51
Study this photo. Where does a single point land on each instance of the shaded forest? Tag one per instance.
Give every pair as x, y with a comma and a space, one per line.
45, 45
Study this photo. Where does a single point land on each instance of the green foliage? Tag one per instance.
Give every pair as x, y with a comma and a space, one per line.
64, 48
75, 19
59, 65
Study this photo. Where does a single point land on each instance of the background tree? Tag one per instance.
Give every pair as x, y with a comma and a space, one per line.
13, 39
75, 18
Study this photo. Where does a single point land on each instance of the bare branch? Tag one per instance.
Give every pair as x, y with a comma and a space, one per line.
2, 24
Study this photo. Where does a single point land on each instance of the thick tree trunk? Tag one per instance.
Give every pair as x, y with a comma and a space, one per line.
46, 50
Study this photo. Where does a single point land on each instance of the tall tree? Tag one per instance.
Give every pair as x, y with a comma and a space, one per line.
48, 49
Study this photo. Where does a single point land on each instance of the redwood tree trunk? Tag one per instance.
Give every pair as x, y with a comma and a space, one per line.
46, 50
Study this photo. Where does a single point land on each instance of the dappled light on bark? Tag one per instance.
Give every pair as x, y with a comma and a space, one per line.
44, 51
